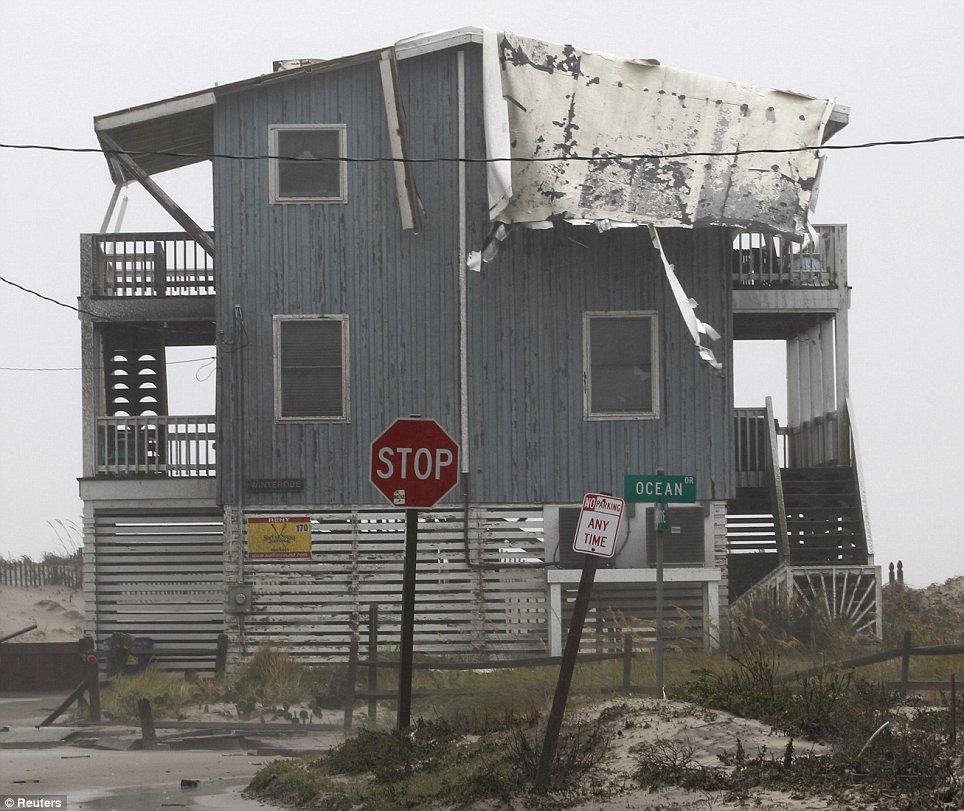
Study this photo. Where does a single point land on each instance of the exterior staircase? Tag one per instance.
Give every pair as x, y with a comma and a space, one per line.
801, 531
824, 518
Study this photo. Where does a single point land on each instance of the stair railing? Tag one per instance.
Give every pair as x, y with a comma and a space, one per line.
854, 450
776, 486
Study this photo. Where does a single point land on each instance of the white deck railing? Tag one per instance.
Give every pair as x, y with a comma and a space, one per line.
152, 445
763, 261
151, 265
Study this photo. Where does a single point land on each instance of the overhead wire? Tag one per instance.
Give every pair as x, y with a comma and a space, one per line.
99, 316
134, 153
206, 359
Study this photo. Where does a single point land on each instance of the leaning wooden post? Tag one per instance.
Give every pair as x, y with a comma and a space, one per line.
148, 736
221, 657
350, 680
905, 664
554, 723
372, 659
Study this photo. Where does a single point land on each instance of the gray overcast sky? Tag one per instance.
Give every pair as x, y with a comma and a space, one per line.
897, 64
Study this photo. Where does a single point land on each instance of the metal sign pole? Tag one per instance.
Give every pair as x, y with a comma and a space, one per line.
408, 621
660, 516
554, 723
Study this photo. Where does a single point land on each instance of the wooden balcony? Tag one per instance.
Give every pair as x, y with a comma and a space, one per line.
150, 265
764, 262
782, 289
174, 447
146, 277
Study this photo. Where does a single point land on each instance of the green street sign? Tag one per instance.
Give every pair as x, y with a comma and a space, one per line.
666, 489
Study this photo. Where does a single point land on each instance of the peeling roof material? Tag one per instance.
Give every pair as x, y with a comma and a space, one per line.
560, 101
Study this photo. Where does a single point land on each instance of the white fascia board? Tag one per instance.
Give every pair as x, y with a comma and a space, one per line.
150, 112
671, 574
437, 41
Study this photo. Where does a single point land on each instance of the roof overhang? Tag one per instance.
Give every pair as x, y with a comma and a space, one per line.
179, 131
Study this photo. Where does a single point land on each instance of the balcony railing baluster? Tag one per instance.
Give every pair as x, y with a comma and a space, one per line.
161, 446
151, 265
762, 261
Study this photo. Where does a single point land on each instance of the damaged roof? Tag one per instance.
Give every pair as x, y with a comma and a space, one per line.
565, 104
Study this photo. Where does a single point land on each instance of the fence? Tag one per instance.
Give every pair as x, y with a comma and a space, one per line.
67, 572
373, 664
905, 653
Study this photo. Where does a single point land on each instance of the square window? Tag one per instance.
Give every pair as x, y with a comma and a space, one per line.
313, 171
620, 365
311, 368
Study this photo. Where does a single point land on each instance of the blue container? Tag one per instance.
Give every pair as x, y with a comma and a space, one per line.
141, 653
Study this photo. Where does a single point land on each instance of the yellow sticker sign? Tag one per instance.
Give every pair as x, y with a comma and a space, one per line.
279, 537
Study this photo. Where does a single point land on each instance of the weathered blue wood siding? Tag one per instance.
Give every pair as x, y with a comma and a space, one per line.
529, 442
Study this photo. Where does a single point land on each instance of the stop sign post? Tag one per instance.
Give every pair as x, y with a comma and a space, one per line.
414, 464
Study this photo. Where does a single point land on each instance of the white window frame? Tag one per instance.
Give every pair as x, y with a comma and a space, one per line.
345, 375
587, 318
274, 175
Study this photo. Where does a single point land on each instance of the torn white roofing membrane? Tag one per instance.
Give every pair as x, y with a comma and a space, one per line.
559, 101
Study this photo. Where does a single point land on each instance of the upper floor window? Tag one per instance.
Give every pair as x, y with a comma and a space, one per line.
313, 171
620, 365
311, 368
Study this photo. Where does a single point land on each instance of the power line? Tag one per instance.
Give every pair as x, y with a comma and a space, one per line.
99, 316
82, 368
48, 298
535, 159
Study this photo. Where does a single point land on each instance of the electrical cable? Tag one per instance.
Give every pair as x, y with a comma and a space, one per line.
97, 368
441, 159
100, 317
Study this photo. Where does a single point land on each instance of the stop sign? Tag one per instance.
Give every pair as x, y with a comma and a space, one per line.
414, 463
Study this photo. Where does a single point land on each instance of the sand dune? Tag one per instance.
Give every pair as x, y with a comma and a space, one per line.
56, 611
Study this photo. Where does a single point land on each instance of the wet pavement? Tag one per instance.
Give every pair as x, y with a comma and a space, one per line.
94, 767
215, 795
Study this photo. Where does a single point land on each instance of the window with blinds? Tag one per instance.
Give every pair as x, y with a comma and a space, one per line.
620, 365
308, 163
311, 367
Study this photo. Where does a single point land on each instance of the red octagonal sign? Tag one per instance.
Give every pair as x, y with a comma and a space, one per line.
414, 463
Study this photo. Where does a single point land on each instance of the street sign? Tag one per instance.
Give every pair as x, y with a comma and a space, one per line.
598, 525
660, 488
414, 463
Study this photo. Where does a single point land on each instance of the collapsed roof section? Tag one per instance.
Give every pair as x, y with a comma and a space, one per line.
597, 137
558, 104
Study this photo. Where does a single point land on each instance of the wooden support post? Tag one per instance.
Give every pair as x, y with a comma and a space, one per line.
133, 169
953, 708
372, 659
148, 736
905, 664
554, 724
408, 621
221, 657
350, 682
77, 693
627, 661
92, 673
